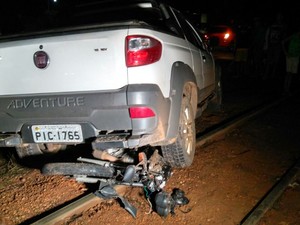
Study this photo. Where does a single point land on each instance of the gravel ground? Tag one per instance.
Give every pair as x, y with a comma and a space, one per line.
226, 180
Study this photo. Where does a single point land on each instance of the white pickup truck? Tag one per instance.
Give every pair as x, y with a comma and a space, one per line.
128, 77
120, 75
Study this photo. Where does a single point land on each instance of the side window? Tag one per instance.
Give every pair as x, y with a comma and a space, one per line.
189, 31
171, 21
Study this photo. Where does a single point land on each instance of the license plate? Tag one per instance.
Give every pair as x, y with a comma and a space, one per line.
69, 133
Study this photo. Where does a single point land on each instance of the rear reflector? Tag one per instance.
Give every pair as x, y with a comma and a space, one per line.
140, 112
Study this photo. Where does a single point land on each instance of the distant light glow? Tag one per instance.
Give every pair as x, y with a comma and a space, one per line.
145, 5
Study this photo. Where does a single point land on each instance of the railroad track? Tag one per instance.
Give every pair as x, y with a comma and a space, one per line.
90, 200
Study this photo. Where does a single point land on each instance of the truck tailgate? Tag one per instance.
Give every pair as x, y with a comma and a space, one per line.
77, 62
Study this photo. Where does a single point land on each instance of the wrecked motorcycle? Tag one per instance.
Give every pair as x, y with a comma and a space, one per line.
145, 169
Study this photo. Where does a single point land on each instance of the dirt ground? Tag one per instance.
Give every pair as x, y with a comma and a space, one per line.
226, 180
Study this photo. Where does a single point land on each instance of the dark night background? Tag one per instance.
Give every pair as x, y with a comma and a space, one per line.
243, 11
237, 12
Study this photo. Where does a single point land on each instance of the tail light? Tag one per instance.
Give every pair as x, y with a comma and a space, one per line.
142, 50
226, 36
141, 112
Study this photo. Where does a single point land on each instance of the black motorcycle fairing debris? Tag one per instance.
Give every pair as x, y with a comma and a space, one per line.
109, 191
165, 203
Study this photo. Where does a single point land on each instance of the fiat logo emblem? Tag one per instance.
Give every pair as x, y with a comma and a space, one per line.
41, 59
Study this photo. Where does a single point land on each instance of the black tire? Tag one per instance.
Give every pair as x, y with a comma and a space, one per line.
181, 153
216, 104
69, 169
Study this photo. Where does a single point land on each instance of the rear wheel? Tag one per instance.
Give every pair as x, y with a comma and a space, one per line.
78, 169
181, 153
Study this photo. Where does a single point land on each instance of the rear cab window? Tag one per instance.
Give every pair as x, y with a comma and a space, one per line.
46, 15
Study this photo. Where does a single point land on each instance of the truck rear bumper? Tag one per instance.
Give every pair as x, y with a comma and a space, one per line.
98, 114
